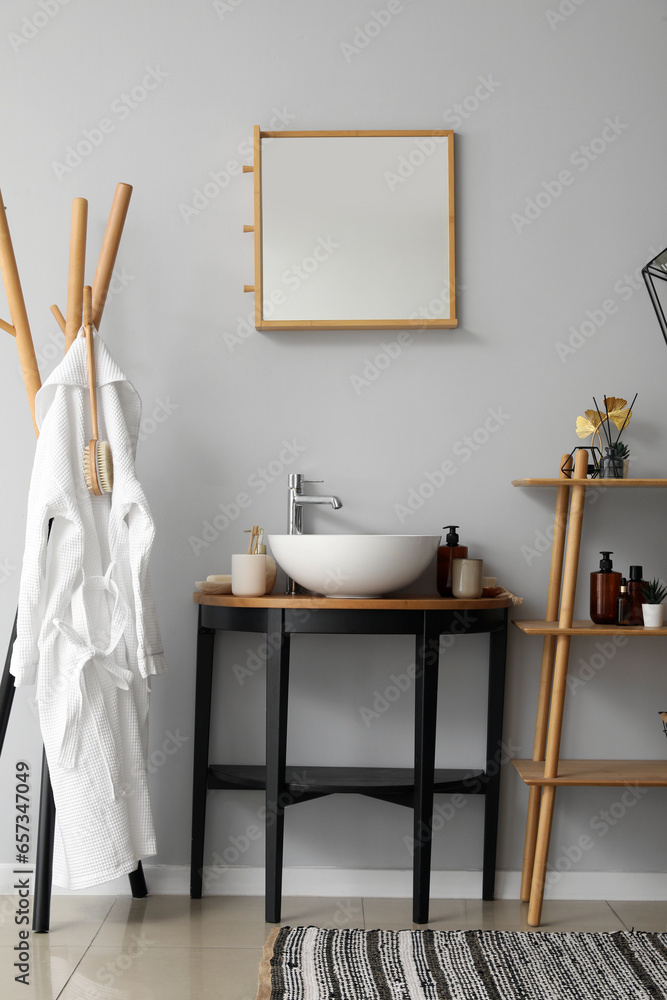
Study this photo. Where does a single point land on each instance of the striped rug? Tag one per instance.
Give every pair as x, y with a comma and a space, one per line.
310, 963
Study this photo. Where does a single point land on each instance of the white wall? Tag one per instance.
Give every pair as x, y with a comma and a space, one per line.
217, 411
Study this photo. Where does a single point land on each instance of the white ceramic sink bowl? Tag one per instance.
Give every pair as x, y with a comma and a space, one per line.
354, 565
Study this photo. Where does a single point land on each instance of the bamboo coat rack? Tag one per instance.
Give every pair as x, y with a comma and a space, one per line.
70, 325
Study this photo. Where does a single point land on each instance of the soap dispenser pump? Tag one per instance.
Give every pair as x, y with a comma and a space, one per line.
446, 553
605, 588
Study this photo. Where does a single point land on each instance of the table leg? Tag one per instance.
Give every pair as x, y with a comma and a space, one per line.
494, 734
204, 678
277, 687
427, 657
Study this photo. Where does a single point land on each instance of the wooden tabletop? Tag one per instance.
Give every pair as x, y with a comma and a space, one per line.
411, 602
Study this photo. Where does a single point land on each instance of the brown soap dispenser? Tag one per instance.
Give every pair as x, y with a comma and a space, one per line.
605, 588
451, 550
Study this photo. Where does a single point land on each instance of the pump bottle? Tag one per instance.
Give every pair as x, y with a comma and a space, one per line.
605, 588
446, 553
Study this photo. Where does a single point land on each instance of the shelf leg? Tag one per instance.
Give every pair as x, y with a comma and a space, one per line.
427, 657
559, 687
546, 672
204, 679
494, 735
541, 854
277, 688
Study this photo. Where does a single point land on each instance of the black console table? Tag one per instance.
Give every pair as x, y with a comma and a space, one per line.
427, 618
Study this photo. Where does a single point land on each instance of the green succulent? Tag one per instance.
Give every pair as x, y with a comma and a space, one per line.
619, 450
653, 592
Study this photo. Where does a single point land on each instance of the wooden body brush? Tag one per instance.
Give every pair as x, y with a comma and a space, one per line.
97, 460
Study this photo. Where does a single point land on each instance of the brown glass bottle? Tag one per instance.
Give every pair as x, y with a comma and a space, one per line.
636, 597
446, 553
605, 588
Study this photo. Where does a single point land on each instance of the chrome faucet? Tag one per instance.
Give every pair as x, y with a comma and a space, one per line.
297, 500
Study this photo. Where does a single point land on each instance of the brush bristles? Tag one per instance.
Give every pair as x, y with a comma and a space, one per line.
104, 466
98, 467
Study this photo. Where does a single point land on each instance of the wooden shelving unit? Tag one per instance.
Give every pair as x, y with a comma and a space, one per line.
547, 771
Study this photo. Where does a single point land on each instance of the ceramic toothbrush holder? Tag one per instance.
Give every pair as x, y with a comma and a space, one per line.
248, 575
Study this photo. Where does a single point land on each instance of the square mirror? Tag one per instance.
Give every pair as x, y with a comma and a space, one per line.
354, 230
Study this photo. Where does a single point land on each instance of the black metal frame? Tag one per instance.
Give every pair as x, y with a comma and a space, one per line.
412, 787
651, 271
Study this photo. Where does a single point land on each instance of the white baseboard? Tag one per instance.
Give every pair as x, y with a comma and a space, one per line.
347, 882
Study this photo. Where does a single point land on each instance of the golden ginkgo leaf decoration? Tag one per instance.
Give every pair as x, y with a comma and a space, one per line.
590, 424
615, 410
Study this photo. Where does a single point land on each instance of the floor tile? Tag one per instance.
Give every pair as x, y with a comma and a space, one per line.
396, 914
74, 919
322, 911
181, 922
50, 969
642, 916
557, 915
165, 974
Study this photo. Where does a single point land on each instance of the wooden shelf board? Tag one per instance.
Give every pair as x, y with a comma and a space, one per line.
585, 627
411, 602
646, 773
613, 484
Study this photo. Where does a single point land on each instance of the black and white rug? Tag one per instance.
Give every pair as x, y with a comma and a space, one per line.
310, 963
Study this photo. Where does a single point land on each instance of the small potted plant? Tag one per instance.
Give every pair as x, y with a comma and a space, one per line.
653, 609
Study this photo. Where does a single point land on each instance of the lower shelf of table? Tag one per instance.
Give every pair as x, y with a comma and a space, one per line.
304, 783
646, 773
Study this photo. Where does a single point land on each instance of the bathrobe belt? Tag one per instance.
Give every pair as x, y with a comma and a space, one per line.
87, 655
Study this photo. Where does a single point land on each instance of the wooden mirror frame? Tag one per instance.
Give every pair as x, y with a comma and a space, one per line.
315, 323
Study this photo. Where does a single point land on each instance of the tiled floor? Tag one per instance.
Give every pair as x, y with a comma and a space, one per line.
174, 948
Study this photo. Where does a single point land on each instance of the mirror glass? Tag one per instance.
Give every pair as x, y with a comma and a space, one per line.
354, 230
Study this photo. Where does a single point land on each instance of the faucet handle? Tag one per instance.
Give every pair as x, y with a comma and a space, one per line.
296, 481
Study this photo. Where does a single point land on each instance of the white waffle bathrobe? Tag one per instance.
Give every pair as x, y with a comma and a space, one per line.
87, 629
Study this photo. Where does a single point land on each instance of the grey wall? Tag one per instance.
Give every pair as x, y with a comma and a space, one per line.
218, 405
